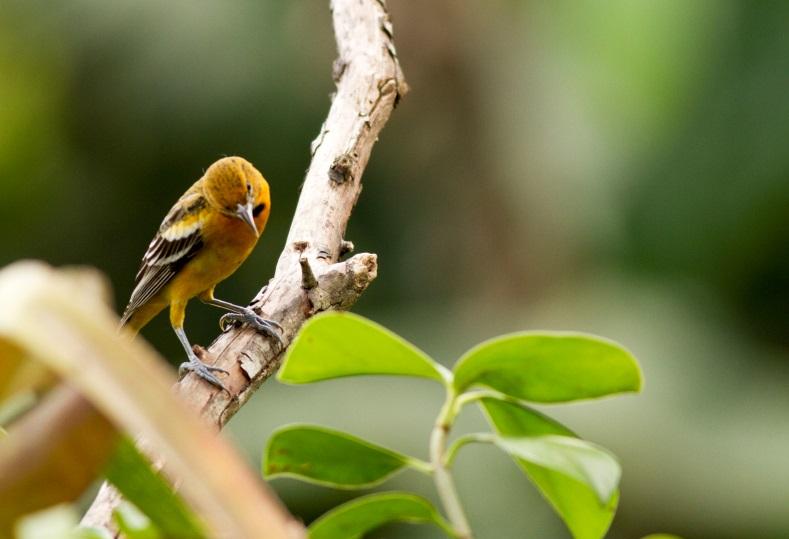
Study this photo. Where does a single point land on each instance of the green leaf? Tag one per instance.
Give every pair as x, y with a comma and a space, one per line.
338, 344
132, 475
576, 503
514, 419
133, 523
578, 459
329, 457
549, 367
362, 515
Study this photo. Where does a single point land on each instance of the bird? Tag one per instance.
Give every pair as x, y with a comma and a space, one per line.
202, 240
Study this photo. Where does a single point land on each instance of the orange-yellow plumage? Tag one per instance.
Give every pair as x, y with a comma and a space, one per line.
204, 238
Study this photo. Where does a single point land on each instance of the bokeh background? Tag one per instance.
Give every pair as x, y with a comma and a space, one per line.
620, 168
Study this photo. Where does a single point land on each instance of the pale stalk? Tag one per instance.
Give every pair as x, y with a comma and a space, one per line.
445, 484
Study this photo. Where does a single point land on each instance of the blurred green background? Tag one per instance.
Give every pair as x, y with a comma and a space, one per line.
619, 167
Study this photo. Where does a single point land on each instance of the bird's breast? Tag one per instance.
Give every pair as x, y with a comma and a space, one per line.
227, 242
222, 253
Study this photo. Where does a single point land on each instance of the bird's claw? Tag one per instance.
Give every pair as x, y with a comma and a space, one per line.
206, 372
269, 328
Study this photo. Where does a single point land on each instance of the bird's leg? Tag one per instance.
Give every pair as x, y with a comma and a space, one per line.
206, 372
246, 315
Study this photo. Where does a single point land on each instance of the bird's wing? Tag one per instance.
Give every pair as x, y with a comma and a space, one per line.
177, 241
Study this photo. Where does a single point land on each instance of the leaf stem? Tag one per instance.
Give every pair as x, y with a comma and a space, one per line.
475, 437
445, 485
472, 396
420, 466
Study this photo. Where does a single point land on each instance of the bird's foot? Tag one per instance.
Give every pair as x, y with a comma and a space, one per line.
270, 328
206, 372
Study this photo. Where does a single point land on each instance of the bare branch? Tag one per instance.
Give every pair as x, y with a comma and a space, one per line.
369, 85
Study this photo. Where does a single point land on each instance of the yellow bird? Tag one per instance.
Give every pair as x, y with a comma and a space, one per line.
203, 239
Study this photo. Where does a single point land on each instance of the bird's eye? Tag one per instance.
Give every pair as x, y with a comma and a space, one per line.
257, 209
249, 188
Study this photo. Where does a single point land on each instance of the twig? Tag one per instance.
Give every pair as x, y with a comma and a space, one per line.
308, 280
369, 85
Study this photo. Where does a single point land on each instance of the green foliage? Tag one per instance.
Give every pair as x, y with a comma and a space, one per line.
578, 478
353, 519
549, 367
332, 458
585, 462
132, 475
576, 502
345, 344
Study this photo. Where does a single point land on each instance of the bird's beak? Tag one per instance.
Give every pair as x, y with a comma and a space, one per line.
245, 214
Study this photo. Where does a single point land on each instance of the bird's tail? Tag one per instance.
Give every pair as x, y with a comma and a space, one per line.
133, 320
127, 325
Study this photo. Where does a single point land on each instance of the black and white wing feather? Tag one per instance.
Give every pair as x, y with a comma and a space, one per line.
177, 241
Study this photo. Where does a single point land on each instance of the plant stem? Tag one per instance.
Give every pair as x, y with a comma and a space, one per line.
474, 438
441, 475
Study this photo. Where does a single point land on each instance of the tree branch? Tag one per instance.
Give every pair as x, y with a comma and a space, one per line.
369, 85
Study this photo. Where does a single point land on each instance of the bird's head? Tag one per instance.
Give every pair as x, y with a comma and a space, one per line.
236, 188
